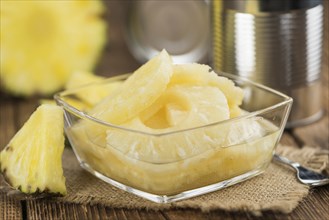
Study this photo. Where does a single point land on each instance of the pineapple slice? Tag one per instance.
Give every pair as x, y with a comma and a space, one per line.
138, 92
43, 42
71, 101
91, 94
47, 101
203, 75
135, 94
209, 105
32, 161
195, 105
169, 99
80, 78
205, 105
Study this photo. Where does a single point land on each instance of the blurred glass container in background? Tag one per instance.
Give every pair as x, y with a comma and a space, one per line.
181, 27
274, 42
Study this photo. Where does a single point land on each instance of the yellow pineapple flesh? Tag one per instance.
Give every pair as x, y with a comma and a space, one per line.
171, 128
92, 92
203, 75
32, 161
44, 42
206, 105
138, 92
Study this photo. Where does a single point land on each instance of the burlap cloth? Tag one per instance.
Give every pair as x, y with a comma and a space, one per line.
277, 189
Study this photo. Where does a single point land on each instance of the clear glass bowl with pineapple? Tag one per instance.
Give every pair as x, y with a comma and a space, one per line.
170, 132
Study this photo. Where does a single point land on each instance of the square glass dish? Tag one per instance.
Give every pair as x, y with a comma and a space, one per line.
171, 166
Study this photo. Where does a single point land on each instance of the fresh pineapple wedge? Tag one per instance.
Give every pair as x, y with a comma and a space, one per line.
138, 92
32, 161
43, 42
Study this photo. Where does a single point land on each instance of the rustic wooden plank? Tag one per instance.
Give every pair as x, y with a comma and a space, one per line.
120, 214
9, 207
44, 209
192, 214
24, 109
195, 214
315, 205
131, 214
150, 215
101, 211
7, 125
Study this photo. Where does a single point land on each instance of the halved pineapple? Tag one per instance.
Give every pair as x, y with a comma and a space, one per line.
32, 161
43, 42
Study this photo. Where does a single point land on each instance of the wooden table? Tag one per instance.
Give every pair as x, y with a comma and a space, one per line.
116, 59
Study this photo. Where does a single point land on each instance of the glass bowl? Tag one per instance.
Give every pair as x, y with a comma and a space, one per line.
171, 166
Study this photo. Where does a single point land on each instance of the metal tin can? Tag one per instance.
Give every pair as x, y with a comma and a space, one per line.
274, 42
181, 27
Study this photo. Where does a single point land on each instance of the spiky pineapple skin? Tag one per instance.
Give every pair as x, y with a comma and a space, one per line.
32, 160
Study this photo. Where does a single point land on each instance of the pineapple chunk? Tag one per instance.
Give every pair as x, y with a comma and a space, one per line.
135, 94
206, 105
71, 101
80, 78
32, 161
91, 94
188, 106
203, 75
47, 101
138, 92
209, 105
43, 42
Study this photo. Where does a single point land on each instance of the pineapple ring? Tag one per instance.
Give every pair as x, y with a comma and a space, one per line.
207, 105
138, 92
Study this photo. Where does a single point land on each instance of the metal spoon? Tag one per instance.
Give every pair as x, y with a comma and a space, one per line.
304, 175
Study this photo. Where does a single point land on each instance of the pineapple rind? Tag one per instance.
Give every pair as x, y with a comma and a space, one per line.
32, 161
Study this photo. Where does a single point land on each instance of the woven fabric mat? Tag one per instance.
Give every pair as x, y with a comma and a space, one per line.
277, 189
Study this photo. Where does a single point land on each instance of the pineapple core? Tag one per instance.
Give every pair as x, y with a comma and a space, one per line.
32, 161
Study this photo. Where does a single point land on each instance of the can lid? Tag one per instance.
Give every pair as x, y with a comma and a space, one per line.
181, 27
